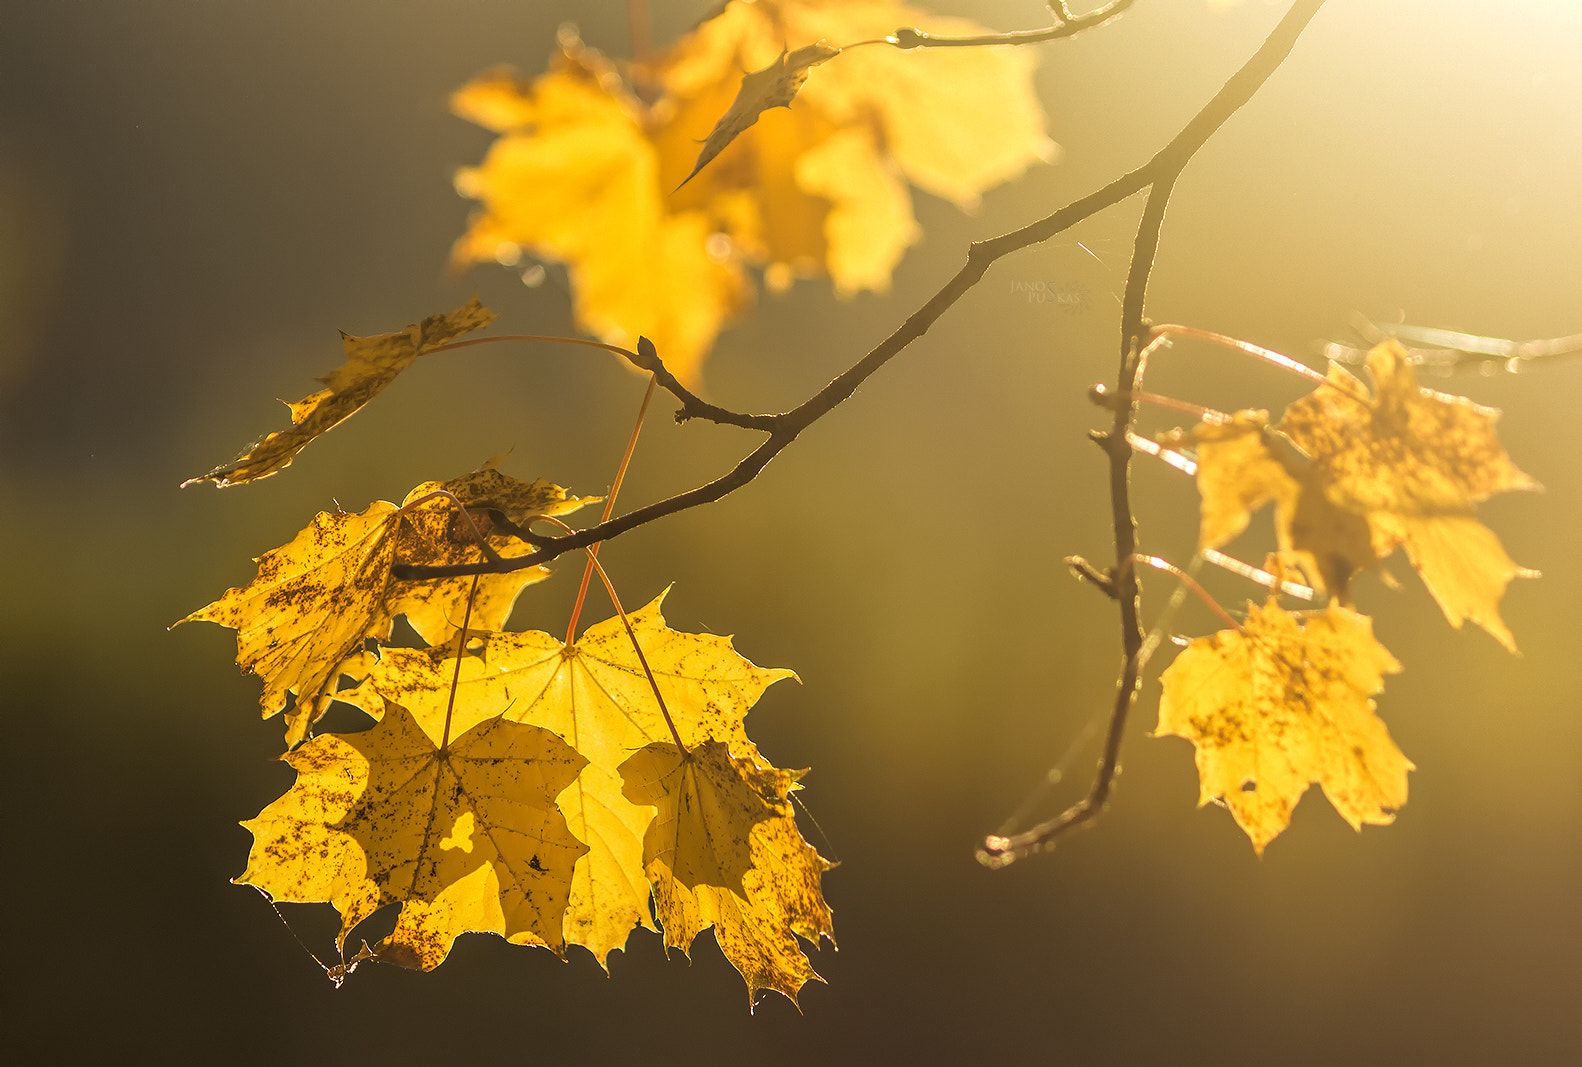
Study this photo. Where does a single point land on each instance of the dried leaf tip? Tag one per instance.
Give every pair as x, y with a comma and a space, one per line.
774, 86
371, 364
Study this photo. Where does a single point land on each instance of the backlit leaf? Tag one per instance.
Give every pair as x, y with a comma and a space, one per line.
595, 696
724, 851
1415, 463
1241, 466
590, 166
314, 601
578, 181
1281, 704
371, 364
774, 86
463, 831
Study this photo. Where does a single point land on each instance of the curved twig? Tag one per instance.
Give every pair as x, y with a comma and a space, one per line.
1066, 25
998, 850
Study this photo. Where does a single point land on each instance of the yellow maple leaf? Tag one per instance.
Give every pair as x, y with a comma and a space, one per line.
1283, 703
1241, 466
954, 122
588, 174
313, 601
596, 696
1415, 463
724, 852
574, 178
371, 364
456, 821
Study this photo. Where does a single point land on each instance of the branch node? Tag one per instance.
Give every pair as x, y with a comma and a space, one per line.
1084, 571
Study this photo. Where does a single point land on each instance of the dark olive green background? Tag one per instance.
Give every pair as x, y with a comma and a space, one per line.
195, 196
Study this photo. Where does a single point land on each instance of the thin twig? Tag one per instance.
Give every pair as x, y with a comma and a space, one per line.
1066, 25
692, 406
1459, 351
998, 850
645, 358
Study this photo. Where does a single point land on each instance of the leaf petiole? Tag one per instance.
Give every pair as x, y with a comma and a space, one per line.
609, 587
1268, 355
609, 508
1187, 580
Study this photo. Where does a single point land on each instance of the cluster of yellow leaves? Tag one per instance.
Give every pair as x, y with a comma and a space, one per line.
302, 620
604, 173
1286, 700
513, 784
1354, 475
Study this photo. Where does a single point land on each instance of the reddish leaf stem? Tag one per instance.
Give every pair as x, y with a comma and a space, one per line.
1256, 574
609, 506
461, 649
609, 587
1179, 460
585, 342
1190, 582
1159, 400
483, 542
641, 24
1268, 355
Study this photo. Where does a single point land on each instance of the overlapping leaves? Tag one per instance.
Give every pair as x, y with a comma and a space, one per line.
1286, 701
302, 620
506, 788
603, 172
1354, 475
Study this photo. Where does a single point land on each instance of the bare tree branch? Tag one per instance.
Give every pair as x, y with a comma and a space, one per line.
999, 850
1066, 25
1454, 351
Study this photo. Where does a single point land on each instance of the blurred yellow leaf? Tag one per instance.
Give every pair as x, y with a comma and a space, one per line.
371, 364
305, 614
457, 824
1283, 703
576, 180
588, 173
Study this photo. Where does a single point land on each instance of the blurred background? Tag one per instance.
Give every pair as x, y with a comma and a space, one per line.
194, 197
